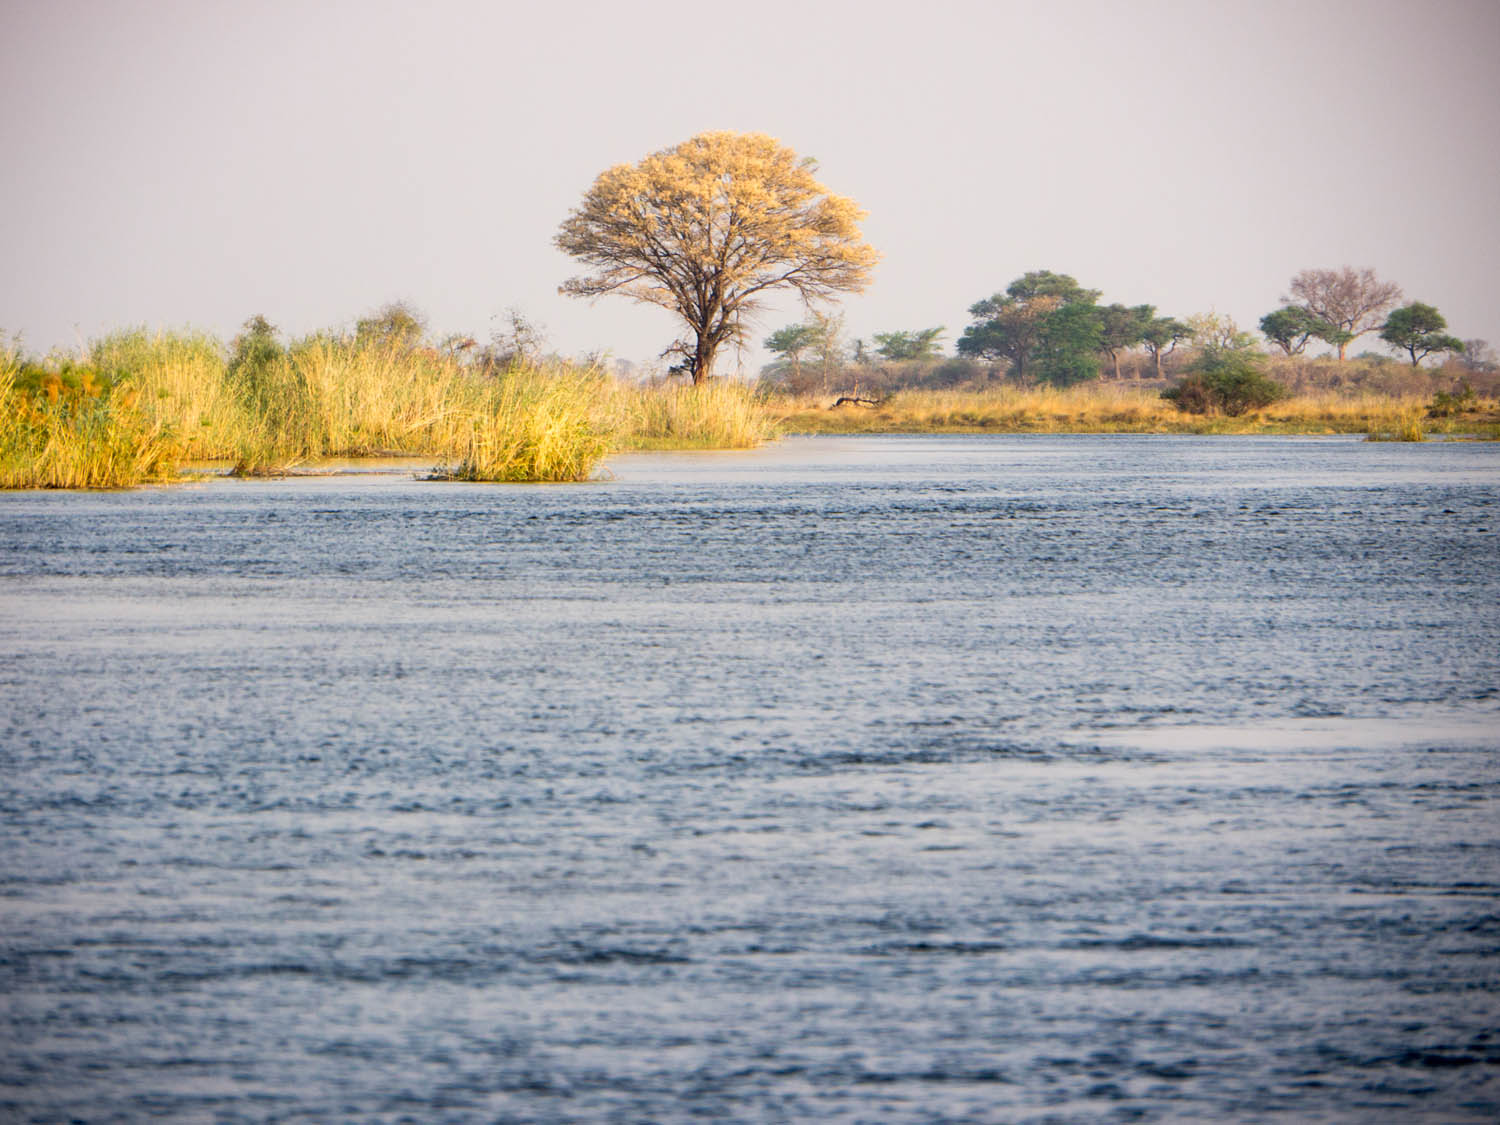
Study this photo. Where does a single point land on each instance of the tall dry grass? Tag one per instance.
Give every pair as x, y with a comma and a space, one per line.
180, 377
716, 415
536, 424
93, 437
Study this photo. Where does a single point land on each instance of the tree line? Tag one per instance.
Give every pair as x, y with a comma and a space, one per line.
1045, 327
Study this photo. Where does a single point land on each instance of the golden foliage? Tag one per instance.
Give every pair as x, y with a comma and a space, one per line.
705, 228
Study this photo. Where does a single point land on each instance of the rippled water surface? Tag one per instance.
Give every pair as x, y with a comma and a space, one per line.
882, 779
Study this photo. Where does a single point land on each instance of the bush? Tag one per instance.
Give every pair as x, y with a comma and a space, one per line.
1227, 380
1445, 405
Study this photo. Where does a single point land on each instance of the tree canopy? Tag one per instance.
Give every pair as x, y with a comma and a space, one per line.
1352, 302
1043, 322
1122, 328
707, 228
916, 345
1419, 330
1292, 326
1161, 335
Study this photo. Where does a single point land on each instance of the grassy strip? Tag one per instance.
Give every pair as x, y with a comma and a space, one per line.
717, 415
1103, 408
137, 404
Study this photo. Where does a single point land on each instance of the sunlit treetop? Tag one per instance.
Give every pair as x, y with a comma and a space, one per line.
706, 228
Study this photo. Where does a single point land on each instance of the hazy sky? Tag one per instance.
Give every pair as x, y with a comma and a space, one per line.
194, 162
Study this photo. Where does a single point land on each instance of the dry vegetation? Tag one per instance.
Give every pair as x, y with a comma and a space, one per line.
136, 406
1115, 408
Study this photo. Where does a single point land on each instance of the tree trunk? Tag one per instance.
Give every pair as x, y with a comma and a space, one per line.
703, 361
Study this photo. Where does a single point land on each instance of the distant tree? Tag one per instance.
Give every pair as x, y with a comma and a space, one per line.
1479, 356
1419, 330
516, 339
1291, 327
254, 349
790, 343
921, 344
397, 325
1068, 351
826, 340
1161, 336
1351, 302
1214, 332
1013, 325
1121, 329
706, 229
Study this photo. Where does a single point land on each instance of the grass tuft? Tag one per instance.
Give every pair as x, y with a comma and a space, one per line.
1406, 426
717, 415
536, 424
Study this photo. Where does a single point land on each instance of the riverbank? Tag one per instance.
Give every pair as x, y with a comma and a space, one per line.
1112, 408
135, 407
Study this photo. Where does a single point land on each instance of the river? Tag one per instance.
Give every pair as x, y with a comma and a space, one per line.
907, 779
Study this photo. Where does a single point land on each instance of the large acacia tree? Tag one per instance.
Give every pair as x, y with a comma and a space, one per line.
705, 229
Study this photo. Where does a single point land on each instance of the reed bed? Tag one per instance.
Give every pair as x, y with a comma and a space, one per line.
1406, 426
180, 377
716, 415
94, 438
537, 425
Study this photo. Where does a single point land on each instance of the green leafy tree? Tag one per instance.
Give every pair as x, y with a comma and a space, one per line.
1419, 330
791, 343
1292, 326
1072, 338
1013, 325
706, 229
255, 349
1161, 336
919, 345
1122, 328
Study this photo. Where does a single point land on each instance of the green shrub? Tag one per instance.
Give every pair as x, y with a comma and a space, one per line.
1445, 405
1226, 380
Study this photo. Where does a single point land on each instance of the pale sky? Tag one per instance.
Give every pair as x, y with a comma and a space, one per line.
191, 163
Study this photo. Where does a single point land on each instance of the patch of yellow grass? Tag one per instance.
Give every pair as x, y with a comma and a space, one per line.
536, 424
93, 438
718, 415
1088, 408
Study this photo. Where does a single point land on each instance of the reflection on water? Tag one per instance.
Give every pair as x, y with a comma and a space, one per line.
1032, 779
